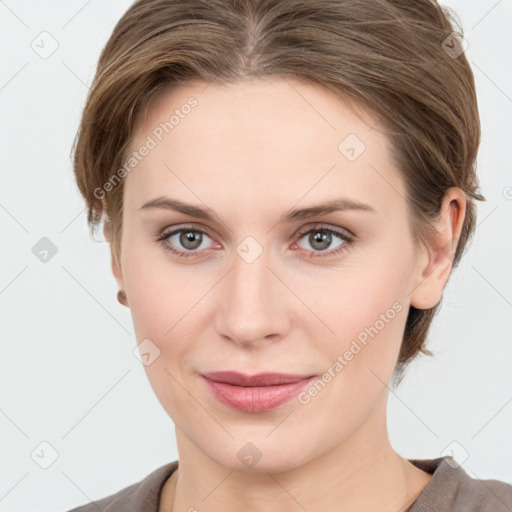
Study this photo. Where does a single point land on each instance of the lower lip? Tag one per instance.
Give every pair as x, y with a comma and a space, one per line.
257, 398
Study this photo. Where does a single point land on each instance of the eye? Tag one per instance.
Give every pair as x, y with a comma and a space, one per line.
321, 238
190, 238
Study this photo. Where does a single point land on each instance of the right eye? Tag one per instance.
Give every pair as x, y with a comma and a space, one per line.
189, 238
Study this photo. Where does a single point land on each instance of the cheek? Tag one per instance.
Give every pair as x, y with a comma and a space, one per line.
163, 302
368, 335
159, 296
365, 307
360, 357
156, 287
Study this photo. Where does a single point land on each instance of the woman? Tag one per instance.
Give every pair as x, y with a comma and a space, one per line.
286, 186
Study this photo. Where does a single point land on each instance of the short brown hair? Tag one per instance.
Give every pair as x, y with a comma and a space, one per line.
390, 56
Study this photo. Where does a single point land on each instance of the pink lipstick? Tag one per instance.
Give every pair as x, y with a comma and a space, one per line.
255, 393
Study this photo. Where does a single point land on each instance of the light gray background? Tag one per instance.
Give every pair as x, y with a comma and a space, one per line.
68, 373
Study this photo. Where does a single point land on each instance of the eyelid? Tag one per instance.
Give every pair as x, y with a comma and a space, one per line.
162, 235
327, 227
343, 234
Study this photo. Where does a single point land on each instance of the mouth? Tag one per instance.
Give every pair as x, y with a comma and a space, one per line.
255, 393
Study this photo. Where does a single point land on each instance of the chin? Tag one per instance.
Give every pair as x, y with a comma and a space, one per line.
258, 452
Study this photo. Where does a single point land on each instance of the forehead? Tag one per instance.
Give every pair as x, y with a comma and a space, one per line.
263, 108
256, 133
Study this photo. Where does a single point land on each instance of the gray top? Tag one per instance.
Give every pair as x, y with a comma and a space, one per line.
451, 489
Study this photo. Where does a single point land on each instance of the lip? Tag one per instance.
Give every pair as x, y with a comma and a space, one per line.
255, 393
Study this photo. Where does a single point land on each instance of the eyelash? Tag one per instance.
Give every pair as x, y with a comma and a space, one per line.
346, 238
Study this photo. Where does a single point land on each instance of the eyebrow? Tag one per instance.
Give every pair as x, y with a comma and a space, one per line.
335, 205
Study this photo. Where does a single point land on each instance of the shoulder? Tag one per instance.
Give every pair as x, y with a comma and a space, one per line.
452, 489
142, 495
485, 495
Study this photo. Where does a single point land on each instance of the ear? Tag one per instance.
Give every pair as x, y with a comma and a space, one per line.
436, 261
115, 264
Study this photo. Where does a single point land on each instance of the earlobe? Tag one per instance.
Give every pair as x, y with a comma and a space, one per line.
435, 265
425, 294
121, 298
116, 271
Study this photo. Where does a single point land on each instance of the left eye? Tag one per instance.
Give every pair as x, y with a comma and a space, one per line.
190, 239
321, 239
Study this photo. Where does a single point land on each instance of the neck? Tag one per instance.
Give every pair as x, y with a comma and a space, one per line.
363, 473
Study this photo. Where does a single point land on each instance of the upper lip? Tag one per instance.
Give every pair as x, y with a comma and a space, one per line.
261, 379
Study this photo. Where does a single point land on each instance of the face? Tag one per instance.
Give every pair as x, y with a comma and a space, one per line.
256, 288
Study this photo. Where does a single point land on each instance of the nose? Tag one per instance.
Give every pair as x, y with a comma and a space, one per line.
253, 303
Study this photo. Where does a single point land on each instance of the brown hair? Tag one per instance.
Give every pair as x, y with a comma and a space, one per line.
396, 58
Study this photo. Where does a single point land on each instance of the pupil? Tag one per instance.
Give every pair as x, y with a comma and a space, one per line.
187, 240
323, 238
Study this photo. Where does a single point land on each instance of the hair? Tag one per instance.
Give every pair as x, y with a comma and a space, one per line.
390, 57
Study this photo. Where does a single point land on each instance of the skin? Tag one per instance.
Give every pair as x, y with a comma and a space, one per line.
250, 152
